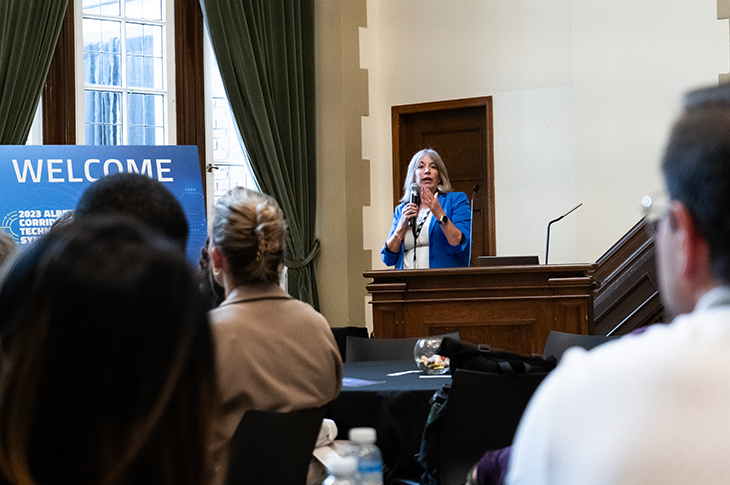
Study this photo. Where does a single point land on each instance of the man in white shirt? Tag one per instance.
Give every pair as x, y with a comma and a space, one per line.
654, 408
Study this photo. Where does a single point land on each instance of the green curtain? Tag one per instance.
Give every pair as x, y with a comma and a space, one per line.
28, 34
265, 52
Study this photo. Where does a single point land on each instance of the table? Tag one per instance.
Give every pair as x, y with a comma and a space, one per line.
396, 406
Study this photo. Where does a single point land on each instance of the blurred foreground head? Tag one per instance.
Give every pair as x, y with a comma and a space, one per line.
107, 373
696, 225
138, 196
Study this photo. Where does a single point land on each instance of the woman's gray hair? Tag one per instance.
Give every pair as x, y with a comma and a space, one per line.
444, 183
248, 228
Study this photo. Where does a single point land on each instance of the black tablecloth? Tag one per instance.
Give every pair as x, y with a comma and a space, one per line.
396, 406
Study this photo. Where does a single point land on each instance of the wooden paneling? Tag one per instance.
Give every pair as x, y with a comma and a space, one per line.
190, 77
628, 295
59, 91
511, 307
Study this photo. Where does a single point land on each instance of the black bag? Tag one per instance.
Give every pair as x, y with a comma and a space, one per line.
429, 441
480, 358
483, 358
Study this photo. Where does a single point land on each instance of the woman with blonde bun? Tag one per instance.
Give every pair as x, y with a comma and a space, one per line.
274, 352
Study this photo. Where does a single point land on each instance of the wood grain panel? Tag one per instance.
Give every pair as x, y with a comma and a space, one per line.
510, 307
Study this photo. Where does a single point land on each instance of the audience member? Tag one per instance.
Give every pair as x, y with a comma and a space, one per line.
108, 376
655, 407
273, 352
139, 196
213, 293
7, 246
64, 219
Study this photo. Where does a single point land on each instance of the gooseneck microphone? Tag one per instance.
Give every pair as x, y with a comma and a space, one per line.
415, 198
547, 243
471, 222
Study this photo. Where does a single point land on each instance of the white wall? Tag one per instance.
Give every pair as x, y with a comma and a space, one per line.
584, 94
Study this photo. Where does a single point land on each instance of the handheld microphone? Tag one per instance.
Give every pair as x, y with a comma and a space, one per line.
415, 198
547, 243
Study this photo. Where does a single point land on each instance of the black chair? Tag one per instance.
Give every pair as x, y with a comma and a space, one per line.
368, 349
558, 342
274, 448
341, 334
481, 413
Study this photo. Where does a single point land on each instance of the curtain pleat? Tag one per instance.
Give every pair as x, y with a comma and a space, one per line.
28, 34
265, 53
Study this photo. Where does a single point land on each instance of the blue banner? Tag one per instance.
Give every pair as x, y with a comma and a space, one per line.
39, 183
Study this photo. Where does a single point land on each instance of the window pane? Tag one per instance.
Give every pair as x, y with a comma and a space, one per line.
135, 39
133, 8
135, 108
144, 9
153, 110
146, 119
144, 56
136, 135
103, 117
102, 52
91, 6
103, 7
110, 7
153, 9
229, 154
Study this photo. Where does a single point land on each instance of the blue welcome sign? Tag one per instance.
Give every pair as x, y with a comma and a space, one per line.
39, 183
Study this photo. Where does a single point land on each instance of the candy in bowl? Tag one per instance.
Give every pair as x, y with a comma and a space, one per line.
426, 357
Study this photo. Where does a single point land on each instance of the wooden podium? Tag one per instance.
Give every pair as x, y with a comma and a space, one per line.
509, 307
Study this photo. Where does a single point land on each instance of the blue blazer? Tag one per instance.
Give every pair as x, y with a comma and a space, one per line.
440, 253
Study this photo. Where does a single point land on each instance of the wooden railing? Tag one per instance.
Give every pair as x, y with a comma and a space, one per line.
627, 296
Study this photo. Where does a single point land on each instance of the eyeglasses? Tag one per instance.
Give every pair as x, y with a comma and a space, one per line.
655, 207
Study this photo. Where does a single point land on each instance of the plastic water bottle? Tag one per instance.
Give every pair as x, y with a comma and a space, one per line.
342, 471
369, 459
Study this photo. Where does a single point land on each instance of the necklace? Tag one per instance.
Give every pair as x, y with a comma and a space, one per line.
417, 232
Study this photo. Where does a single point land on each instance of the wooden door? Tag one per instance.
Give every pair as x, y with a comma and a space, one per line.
461, 132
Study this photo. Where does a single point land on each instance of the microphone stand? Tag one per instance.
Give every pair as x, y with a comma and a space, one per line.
547, 244
471, 223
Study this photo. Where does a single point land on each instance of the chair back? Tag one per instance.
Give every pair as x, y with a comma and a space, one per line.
361, 349
341, 334
274, 448
482, 413
558, 342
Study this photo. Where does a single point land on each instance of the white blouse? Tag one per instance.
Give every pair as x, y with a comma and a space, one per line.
420, 248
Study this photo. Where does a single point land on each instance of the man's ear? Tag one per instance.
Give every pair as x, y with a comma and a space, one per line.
695, 252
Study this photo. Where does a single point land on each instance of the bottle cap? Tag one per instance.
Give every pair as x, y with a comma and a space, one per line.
343, 467
362, 435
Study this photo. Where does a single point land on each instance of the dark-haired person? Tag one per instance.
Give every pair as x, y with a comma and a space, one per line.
108, 374
138, 196
655, 407
440, 234
273, 352
213, 293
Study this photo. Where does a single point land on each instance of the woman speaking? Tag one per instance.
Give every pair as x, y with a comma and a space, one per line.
431, 225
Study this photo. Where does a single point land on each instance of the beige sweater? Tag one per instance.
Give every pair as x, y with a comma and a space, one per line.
273, 353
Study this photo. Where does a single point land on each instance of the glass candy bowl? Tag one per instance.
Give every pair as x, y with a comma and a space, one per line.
426, 357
